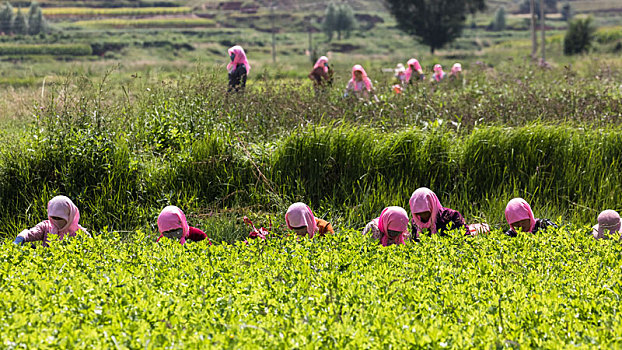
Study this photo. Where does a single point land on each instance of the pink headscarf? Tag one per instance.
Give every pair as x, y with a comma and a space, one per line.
456, 68
172, 218
321, 63
366, 79
609, 222
423, 199
63, 207
518, 209
394, 219
240, 58
409, 70
438, 72
298, 215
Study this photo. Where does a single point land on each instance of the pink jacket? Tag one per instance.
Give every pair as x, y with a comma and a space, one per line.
42, 232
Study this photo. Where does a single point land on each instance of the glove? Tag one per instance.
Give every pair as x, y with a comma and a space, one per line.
19, 240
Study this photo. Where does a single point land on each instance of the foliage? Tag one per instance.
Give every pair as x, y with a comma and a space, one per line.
550, 6
432, 22
579, 36
6, 18
338, 18
499, 22
20, 24
567, 12
36, 23
340, 291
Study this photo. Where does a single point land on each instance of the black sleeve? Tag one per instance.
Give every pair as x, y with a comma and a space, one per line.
543, 224
237, 78
511, 233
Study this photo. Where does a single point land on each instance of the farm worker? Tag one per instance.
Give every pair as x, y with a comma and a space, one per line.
414, 71
322, 74
456, 72
391, 227
438, 73
300, 219
360, 85
63, 218
238, 69
172, 224
520, 217
608, 225
428, 213
400, 74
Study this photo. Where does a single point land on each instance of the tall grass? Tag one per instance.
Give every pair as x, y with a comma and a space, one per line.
123, 154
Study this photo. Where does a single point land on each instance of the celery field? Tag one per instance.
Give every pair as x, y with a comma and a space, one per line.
559, 290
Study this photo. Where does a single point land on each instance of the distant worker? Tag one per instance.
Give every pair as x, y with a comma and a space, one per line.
360, 85
300, 219
438, 75
456, 72
238, 69
322, 74
414, 72
608, 226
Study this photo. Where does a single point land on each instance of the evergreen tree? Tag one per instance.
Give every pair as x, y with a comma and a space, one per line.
20, 25
36, 23
6, 18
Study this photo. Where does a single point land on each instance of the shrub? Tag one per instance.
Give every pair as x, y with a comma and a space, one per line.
579, 36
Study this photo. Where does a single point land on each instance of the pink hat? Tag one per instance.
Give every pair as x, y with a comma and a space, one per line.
172, 218
608, 223
321, 62
518, 209
298, 215
63, 207
359, 68
394, 219
456, 68
438, 68
422, 200
240, 58
412, 63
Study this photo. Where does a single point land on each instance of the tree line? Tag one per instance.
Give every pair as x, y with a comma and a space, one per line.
18, 23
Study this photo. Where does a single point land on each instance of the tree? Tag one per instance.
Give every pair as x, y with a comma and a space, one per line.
6, 18
550, 6
432, 22
567, 12
20, 25
345, 20
330, 18
499, 22
36, 23
579, 36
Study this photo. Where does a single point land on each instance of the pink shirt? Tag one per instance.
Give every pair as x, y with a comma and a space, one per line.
42, 231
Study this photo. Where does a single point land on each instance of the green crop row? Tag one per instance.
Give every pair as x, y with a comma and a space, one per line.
148, 23
46, 49
122, 11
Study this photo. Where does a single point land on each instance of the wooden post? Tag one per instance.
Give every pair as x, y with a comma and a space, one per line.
542, 16
534, 38
273, 33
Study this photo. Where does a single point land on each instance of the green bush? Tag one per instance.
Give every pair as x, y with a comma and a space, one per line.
579, 36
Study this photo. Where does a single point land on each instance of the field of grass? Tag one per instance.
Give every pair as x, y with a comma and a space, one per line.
141, 120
